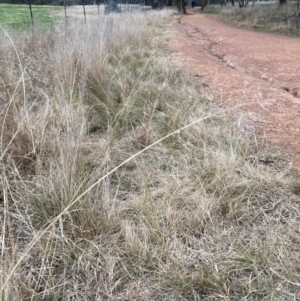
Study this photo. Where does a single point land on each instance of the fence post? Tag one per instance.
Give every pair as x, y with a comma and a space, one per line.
30, 9
65, 5
84, 11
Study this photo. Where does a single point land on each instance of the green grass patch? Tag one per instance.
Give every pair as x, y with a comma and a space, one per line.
212, 9
17, 17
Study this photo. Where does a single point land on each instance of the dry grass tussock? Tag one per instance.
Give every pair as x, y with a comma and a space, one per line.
265, 16
203, 215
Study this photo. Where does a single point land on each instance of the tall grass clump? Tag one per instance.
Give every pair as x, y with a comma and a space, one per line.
266, 17
208, 213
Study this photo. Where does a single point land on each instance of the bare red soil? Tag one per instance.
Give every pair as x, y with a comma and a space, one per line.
259, 71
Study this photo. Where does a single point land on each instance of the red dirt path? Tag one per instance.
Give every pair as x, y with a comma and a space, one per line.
258, 70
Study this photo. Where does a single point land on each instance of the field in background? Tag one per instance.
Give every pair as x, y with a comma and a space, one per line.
209, 213
265, 16
93, 11
17, 17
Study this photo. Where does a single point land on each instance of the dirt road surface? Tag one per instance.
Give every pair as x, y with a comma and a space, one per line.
258, 70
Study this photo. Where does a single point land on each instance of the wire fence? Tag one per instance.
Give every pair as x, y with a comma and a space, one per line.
39, 11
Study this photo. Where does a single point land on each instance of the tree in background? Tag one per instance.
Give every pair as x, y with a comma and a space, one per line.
111, 7
243, 3
298, 9
203, 4
181, 4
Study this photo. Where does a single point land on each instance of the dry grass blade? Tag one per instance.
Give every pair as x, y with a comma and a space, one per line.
73, 202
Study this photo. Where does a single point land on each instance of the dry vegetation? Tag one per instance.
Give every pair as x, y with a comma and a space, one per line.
265, 16
203, 215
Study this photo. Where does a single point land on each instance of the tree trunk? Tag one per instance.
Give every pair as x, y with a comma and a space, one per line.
242, 3
232, 2
281, 2
203, 4
183, 6
298, 9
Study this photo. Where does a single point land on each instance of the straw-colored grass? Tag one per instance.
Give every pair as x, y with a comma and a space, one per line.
265, 17
203, 214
